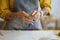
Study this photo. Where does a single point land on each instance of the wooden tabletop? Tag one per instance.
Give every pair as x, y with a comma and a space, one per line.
27, 35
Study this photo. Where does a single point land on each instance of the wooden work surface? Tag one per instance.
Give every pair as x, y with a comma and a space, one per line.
27, 35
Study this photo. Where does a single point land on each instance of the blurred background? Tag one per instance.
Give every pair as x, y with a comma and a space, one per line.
56, 11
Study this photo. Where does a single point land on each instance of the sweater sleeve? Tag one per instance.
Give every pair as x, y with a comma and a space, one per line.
4, 8
46, 4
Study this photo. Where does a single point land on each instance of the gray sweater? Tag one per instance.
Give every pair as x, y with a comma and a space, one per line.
26, 5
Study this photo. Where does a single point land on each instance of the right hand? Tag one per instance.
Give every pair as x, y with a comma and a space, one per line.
26, 20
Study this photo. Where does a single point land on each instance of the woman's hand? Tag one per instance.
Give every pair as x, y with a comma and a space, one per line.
36, 15
26, 20
24, 17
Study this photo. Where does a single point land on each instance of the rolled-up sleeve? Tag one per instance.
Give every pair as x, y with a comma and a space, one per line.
46, 4
4, 8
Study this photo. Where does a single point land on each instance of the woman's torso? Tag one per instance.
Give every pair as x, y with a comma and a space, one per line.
25, 5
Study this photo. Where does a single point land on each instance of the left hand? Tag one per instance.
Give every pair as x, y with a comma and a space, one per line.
36, 15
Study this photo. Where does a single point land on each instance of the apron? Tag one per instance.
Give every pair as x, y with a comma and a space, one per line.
27, 6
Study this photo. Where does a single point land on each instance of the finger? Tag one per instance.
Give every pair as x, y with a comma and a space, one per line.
37, 13
28, 20
34, 13
36, 18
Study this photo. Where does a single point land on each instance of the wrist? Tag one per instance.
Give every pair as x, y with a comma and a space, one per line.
45, 11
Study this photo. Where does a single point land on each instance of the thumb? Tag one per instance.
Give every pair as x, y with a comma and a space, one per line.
34, 13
